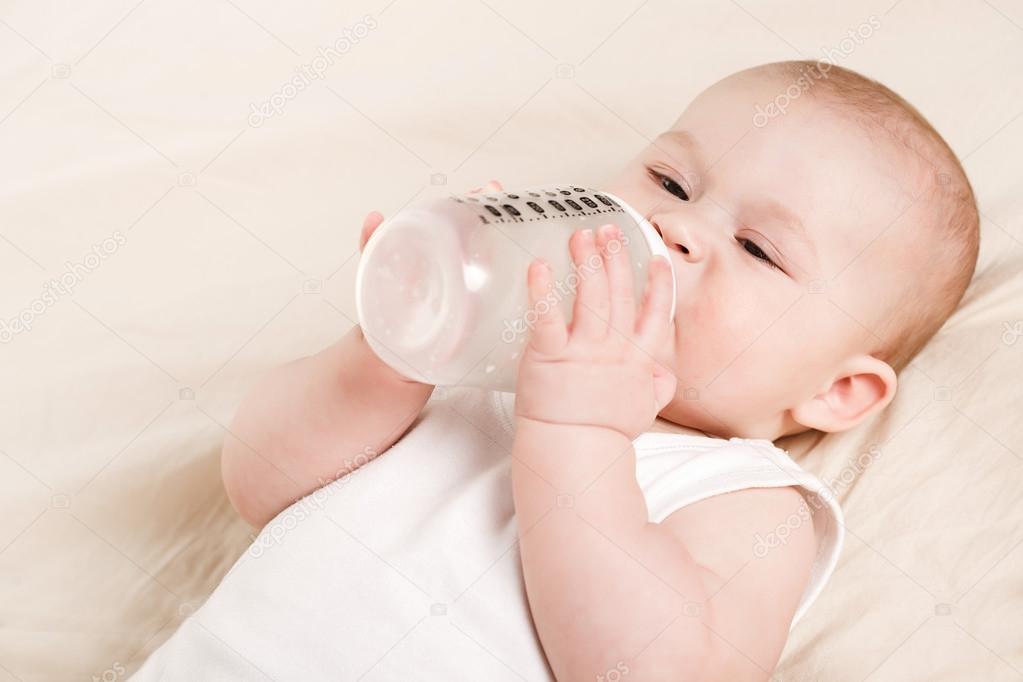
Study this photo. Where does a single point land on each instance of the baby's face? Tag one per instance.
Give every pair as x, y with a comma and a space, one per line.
784, 238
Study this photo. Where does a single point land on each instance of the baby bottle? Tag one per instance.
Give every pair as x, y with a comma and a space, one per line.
441, 286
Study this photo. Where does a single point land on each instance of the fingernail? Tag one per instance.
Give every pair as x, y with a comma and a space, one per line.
588, 233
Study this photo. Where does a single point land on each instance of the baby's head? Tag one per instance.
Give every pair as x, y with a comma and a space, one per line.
821, 232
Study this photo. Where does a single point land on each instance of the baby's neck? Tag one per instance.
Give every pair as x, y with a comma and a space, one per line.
664, 426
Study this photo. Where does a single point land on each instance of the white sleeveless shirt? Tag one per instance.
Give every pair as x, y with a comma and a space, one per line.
408, 569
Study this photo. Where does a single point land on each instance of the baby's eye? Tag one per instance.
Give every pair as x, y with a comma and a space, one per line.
756, 251
669, 185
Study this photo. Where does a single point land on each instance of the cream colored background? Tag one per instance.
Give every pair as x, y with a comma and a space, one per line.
240, 254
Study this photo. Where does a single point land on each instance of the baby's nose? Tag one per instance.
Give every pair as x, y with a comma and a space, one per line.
677, 238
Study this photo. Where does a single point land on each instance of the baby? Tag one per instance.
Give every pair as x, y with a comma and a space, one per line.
821, 232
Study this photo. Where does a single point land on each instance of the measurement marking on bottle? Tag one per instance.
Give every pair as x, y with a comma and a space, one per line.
545, 218
567, 202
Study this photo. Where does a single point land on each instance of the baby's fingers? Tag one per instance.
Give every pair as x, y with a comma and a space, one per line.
549, 334
619, 278
654, 316
492, 186
369, 225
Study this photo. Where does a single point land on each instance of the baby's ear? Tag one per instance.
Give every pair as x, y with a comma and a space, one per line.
863, 387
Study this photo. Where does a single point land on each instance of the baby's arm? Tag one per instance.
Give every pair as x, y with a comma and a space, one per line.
684, 599
610, 592
314, 420
318, 418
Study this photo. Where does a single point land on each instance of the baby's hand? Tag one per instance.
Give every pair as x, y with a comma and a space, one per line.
601, 371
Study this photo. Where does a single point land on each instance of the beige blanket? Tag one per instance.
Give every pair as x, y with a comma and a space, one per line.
177, 215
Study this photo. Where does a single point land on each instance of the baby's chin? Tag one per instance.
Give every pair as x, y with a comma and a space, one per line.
666, 424
676, 416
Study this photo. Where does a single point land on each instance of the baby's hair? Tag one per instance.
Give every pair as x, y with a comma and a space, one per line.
950, 216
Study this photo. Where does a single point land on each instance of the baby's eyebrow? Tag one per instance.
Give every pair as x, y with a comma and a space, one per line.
683, 139
791, 223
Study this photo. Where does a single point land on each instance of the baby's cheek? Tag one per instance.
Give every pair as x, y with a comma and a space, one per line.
725, 321
705, 343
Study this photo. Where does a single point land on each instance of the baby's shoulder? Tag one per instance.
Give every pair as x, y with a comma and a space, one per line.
729, 530
743, 507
